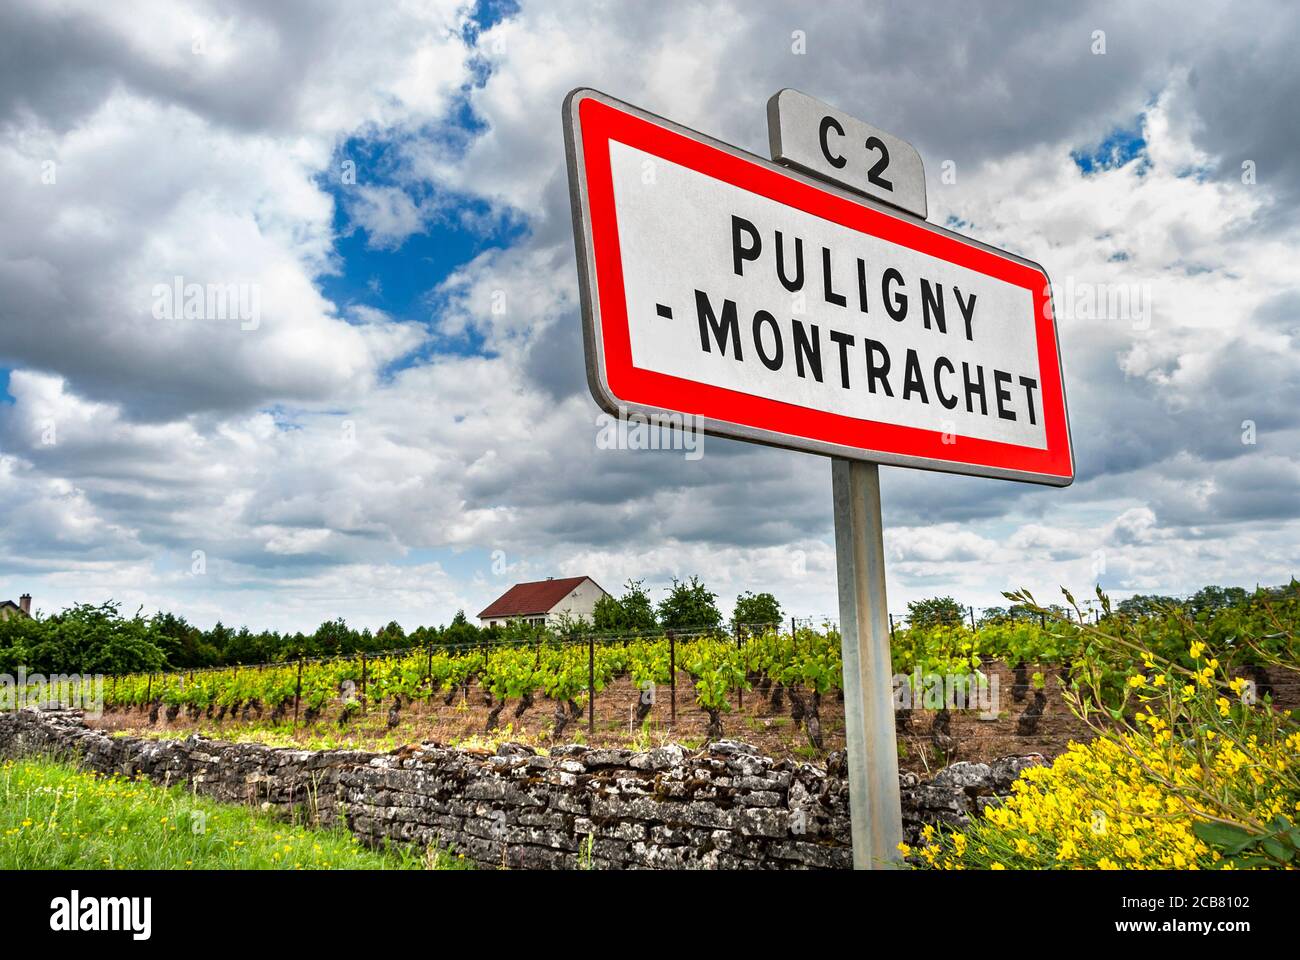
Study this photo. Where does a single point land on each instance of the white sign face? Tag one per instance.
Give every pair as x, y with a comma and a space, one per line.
879, 308
806, 133
719, 285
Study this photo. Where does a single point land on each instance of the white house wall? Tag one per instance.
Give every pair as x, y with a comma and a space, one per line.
581, 602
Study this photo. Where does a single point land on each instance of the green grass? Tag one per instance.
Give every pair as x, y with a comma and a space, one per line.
280, 735
56, 817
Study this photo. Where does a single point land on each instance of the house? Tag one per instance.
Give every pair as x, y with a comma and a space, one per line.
544, 602
10, 609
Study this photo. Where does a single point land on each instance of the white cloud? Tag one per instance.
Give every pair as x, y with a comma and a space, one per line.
318, 481
387, 214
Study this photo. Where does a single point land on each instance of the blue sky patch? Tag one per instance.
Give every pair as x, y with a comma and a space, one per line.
1121, 146
398, 277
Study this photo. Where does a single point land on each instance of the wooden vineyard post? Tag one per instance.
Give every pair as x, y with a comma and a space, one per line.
591, 683
363, 681
672, 673
297, 694
972, 618
148, 690
740, 690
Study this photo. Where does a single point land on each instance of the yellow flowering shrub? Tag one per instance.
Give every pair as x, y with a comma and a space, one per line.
1095, 807
1189, 769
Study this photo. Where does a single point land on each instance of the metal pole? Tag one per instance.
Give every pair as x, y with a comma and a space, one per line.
875, 812
591, 683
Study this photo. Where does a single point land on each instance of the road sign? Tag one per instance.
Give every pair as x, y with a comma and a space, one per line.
783, 310
828, 143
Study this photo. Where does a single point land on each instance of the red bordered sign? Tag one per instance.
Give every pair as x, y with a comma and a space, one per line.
782, 310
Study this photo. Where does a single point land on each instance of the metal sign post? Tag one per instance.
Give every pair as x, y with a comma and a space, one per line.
875, 811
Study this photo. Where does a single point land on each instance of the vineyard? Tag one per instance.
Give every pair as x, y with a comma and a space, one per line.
703, 685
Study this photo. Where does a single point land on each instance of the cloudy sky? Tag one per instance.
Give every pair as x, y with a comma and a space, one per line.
397, 424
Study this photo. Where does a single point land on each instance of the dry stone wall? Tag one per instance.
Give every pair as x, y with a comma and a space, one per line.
724, 807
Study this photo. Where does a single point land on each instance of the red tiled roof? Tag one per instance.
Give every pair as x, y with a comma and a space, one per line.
531, 599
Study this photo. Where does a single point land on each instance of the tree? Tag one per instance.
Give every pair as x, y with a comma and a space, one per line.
1145, 605
1211, 599
935, 611
86, 638
757, 609
565, 624
1006, 614
689, 605
220, 637
460, 632
607, 615
247, 647
299, 645
633, 613
334, 637
18, 635
184, 644
638, 608
391, 636
423, 636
